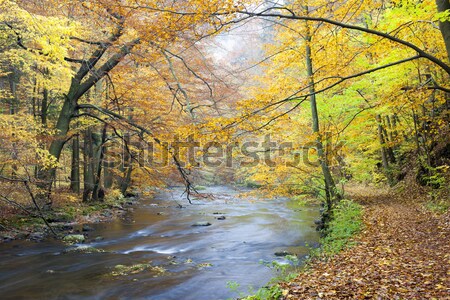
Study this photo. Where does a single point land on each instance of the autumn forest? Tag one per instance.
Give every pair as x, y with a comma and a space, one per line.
320, 127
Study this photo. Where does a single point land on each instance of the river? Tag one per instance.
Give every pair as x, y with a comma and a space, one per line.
198, 261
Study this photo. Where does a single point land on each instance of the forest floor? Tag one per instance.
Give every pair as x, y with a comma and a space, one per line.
403, 252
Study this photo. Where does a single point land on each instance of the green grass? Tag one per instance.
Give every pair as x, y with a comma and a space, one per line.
346, 222
438, 206
200, 187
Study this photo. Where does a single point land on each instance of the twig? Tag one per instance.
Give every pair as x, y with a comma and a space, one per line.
27, 186
13, 203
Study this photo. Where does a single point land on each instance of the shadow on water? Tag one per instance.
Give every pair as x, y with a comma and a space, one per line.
199, 260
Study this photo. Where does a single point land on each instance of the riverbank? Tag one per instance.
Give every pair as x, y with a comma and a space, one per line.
403, 252
63, 219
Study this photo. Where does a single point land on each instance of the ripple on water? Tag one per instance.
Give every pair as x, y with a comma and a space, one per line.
154, 249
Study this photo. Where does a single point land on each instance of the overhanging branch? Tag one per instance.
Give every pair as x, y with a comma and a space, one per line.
292, 16
342, 79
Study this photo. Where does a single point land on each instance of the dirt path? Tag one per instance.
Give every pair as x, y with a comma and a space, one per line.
402, 253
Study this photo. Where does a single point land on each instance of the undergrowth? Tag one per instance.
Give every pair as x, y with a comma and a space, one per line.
346, 222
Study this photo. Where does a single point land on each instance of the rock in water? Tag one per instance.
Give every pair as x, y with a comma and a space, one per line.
99, 239
74, 239
282, 253
7, 238
87, 228
107, 214
36, 236
83, 249
202, 223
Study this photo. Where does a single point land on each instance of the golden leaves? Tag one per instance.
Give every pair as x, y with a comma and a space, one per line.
22, 139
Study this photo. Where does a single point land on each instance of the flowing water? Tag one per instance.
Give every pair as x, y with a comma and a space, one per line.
199, 260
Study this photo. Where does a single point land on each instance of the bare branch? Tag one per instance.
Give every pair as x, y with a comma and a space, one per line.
103, 44
27, 186
180, 87
192, 71
33, 199
342, 79
18, 205
105, 68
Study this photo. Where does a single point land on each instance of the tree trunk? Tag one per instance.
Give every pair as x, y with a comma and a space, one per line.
44, 107
13, 79
75, 168
95, 193
442, 6
33, 97
330, 187
45, 176
416, 132
126, 181
88, 174
384, 152
108, 177
126, 165
390, 135
394, 126
387, 137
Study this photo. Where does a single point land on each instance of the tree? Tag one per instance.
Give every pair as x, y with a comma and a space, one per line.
443, 7
112, 34
354, 73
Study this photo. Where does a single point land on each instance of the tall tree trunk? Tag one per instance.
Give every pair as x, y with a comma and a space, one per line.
387, 137
126, 165
34, 98
13, 79
126, 180
390, 134
107, 174
442, 6
88, 174
330, 187
44, 107
46, 177
384, 152
394, 126
75, 168
95, 193
416, 132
